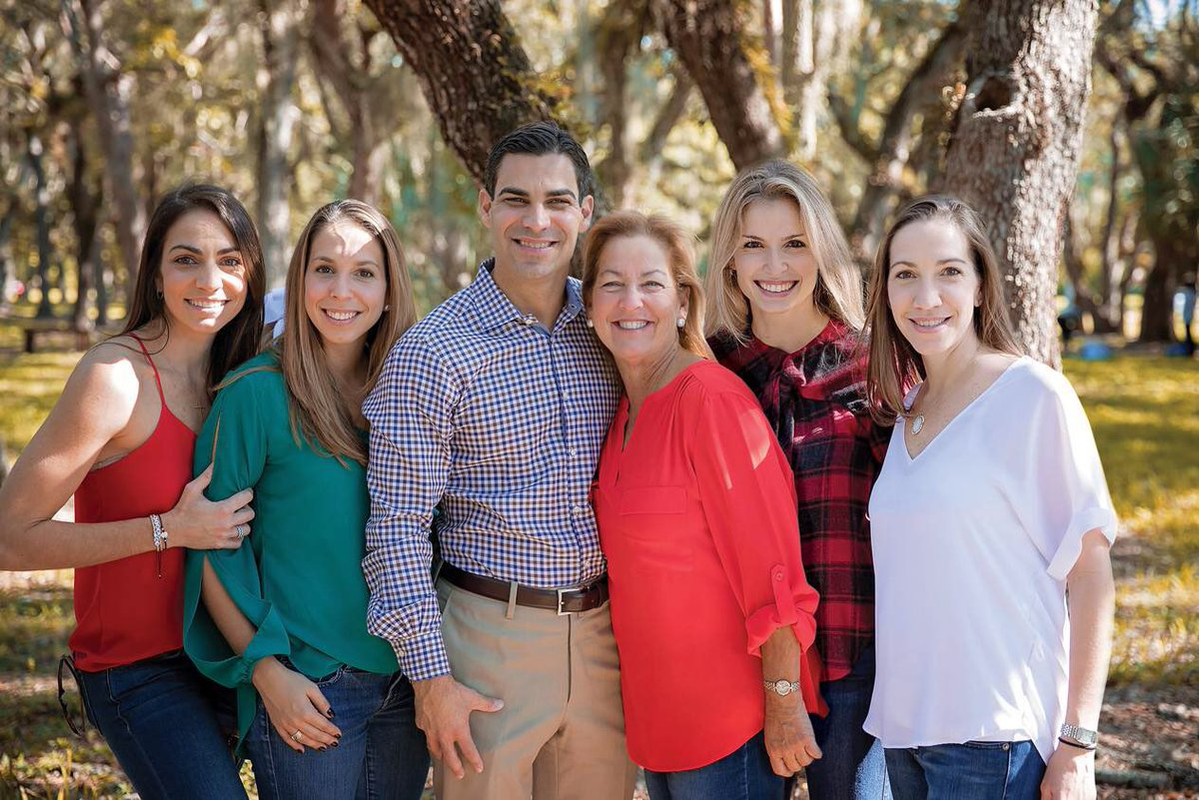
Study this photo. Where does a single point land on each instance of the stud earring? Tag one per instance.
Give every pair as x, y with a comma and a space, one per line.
681, 321
590, 324
387, 307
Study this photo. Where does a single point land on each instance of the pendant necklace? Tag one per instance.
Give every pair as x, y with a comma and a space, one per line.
918, 420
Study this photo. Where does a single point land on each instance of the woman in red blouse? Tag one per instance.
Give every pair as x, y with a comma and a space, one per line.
784, 313
712, 613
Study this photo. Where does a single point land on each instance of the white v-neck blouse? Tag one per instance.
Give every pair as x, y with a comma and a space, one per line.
973, 539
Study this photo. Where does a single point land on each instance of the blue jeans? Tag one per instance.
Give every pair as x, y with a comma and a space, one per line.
381, 754
161, 719
853, 767
744, 774
977, 770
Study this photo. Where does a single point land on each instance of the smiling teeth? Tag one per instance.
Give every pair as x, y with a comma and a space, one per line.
928, 323
207, 305
777, 288
631, 326
341, 316
537, 245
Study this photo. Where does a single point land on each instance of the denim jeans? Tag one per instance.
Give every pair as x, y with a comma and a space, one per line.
381, 754
744, 774
977, 770
164, 723
853, 767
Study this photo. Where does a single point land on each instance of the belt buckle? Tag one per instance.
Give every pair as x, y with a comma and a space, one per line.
561, 592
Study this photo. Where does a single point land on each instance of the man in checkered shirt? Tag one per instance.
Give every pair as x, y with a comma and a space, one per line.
494, 408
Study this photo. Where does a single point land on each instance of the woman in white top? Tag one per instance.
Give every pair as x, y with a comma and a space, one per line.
990, 506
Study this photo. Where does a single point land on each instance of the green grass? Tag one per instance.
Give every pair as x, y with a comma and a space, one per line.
1145, 414
1144, 411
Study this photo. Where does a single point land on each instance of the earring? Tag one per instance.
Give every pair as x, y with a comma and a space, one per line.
158, 293
590, 324
387, 307
681, 321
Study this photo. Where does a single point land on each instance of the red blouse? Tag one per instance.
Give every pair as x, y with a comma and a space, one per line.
697, 519
127, 610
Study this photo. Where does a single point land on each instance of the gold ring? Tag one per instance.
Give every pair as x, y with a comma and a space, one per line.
297, 736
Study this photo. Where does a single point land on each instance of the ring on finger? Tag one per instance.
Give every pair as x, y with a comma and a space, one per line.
241, 531
297, 736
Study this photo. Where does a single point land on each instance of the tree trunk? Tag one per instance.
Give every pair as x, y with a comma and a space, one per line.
276, 129
330, 46
85, 204
41, 218
476, 78
619, 32
1111, 267
109, 92
895, 146
7, 268
707, 36
1014, 153
798, 74
1157, 314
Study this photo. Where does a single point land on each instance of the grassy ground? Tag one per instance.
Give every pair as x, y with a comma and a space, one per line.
1145, 413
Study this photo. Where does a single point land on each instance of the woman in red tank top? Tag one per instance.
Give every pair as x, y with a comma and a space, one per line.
121, 440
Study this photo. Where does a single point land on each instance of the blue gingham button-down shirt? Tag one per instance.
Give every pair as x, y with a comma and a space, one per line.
481, 410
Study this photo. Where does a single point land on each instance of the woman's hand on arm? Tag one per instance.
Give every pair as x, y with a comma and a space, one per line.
1070, 773
292, 702
202, 524
790, 741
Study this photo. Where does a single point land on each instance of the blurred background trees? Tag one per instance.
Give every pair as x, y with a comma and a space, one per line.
1084, 161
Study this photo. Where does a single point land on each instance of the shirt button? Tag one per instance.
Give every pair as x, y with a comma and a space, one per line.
576, 510
572, 452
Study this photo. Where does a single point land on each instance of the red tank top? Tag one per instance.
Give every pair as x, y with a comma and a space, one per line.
125, 611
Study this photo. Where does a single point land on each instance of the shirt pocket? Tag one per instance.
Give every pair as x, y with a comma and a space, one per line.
658, 527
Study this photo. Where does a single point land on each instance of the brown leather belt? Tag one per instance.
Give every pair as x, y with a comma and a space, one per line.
564, 601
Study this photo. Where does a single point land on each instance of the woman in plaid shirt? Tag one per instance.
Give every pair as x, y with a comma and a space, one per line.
785, 314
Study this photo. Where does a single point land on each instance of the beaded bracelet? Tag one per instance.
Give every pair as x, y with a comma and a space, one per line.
160, 540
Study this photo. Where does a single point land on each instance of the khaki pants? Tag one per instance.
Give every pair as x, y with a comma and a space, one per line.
560, 735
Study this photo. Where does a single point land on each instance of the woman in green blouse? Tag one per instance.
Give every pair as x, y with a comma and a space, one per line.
283, 619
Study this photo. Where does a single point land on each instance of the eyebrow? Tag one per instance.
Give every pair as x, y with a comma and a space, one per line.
191, 248
647, 273
359, 263
940, 261
522, 193
803, 234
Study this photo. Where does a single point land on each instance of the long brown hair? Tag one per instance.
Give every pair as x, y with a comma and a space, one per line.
894, 365
838, 290
237, 341
680, 251
318, 410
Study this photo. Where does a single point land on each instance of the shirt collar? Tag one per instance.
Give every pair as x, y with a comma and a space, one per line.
495, 310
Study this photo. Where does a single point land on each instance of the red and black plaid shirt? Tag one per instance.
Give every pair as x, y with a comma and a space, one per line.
816, 400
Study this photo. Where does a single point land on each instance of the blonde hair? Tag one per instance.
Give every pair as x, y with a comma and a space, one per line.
317, 409
894, 365
680, 251
838, 290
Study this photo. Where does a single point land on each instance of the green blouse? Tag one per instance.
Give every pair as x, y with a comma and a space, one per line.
298, 575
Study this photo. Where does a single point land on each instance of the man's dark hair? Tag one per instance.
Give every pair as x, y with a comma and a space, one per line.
540, 139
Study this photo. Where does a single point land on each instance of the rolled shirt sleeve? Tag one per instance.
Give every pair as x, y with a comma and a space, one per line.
1061, 491
748, 498
410, 412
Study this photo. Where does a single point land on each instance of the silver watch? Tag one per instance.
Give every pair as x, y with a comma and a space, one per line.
782, 687
1083, 736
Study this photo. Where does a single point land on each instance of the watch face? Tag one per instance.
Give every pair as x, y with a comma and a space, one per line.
782, 687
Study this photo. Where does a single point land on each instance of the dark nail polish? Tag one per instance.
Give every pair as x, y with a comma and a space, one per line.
329, 713
323, 749
336, 743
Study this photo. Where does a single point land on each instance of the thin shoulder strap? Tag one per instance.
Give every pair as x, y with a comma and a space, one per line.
157, 379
